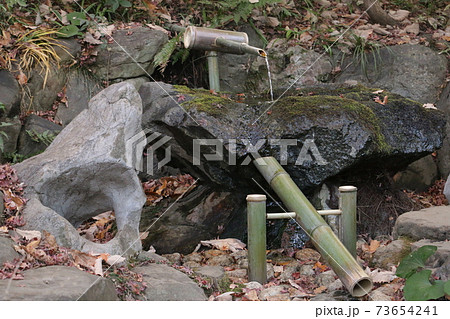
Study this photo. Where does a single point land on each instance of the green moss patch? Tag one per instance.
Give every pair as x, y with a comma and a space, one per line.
203, 101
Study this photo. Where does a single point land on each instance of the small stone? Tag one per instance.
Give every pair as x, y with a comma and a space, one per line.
213, 274
213, 252
194, 257
192, 264
307, 270
227, 296
307, 255
336, 285
251, 295
390, 255
326, 278
253, 285
377, 295
243, 263
221, 260
280, 297
290, 269
270, 271
239, 254
174, 258
146, 255
273, 291
239, 273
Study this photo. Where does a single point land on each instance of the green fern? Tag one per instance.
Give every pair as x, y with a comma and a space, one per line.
45, 137
162, 58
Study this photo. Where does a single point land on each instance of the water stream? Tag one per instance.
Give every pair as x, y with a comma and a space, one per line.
270, 77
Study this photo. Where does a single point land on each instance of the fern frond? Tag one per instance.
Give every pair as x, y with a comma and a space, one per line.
162, 57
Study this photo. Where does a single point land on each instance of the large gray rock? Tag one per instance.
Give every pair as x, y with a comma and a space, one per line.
9, 93
84, 172
440, 260
165, 283
331, 135
80, 88
332, 131
36, 135
413, 71
418, 176
7, 252
130, 55
430, 223
290, 67
58, 283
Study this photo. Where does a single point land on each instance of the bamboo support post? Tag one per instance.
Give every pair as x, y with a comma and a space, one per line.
347, 204
357, 282
213, 71
256, 221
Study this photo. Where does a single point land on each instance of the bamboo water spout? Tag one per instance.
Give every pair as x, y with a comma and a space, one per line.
357, 282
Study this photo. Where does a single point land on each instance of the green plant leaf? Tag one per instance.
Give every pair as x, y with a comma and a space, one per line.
125, 3
418, 287
409, 265
68, 31
76, 18
447, 287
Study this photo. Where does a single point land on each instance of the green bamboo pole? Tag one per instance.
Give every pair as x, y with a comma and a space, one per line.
347, 204
357, 282
213, 71
256, 223
239, 48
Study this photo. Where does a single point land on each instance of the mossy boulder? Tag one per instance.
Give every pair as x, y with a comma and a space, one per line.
325, 131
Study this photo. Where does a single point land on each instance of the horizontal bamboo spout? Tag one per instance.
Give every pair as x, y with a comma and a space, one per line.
239, 48
357, 282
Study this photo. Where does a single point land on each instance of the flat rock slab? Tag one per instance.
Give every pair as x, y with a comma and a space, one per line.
58, 283
7, 252
430, 223
165, 283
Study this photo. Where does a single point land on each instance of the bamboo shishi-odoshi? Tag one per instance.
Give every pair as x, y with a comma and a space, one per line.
357, 282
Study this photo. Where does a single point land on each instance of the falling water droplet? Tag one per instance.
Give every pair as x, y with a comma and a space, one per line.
270, 77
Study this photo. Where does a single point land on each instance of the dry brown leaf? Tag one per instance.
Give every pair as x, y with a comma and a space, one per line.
83, 259
320, 289
380, 276
22, 78
232, 244
251, 295
374, 244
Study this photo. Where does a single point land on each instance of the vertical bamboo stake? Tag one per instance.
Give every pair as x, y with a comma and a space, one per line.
256, 223
347, 204
213, 71
330, 247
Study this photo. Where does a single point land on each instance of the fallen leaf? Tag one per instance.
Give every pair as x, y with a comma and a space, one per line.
399, 15
320, 289
251, 295
232, 244
380, 276
374, 244
378, 92
22, 78
413, 28
321, 267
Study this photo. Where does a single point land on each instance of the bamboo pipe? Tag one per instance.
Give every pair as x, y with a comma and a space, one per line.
256, 222
347, 204
357, 282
